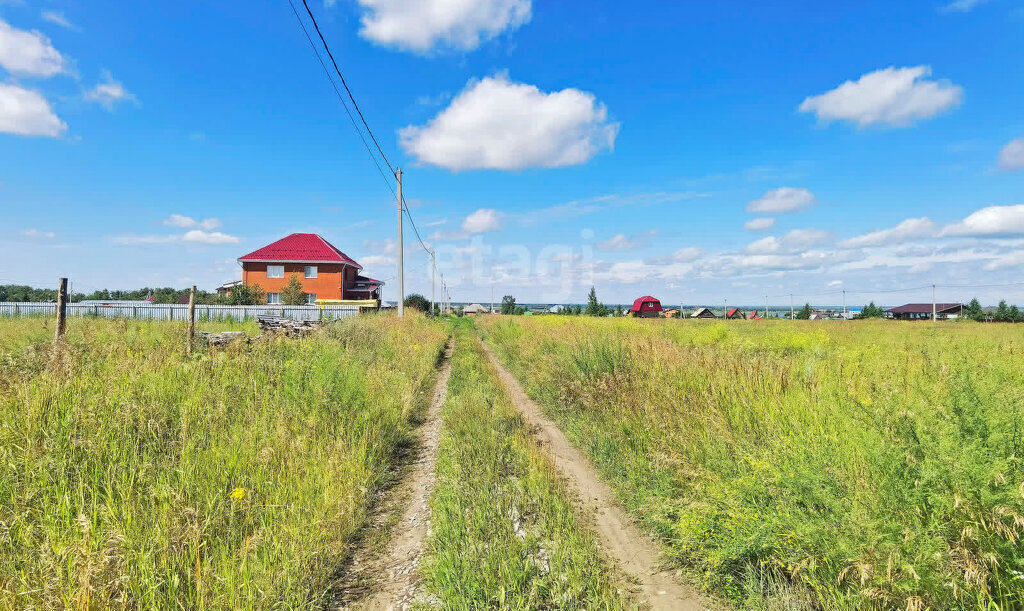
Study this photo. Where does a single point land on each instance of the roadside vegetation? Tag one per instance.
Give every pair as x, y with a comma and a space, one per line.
503, 532
132, 476
792, 465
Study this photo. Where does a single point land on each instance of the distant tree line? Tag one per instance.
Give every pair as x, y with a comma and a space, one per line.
240, 295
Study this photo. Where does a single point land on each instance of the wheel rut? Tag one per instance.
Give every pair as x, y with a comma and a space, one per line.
389, 579
633, 552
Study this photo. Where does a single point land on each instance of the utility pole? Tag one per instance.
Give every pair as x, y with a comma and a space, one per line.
791, 315
191, 319
62, 307
933, 303
492, 298
766, 306
844, 303
401, 247
433, 272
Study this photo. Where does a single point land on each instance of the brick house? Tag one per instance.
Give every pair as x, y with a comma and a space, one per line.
325, 271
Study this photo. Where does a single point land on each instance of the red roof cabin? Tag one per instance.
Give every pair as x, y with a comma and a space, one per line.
735, 314
646, 307
325, 271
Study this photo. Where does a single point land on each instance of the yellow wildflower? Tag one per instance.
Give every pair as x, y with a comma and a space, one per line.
237, 493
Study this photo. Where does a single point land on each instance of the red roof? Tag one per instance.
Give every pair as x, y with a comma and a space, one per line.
301, 248
646, 304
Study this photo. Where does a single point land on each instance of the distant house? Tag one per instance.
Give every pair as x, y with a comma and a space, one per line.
671, 313
753, 315
645, 307
735, 314
227, 287
703, 313
325, 272
474, 308
923, 311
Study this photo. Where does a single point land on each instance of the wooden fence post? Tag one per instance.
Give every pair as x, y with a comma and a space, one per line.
62, 304
191, 318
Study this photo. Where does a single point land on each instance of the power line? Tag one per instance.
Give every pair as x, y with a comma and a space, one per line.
344, 105
345, 84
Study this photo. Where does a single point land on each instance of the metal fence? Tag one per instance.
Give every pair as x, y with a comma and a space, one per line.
179, 312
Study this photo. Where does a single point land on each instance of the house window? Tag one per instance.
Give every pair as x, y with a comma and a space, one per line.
311, 271
310, 298
275, 271
274, 298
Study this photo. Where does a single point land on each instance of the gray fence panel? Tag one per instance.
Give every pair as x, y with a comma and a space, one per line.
179, 312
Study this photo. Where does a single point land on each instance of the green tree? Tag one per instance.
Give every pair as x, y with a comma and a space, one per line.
292, 294
871, 311
417, 302
974, 311
594, 307
618, 310
245, 294
1015, 314
508, 304
1002, 312
804, 313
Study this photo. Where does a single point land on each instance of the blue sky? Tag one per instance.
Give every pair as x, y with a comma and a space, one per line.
694, 151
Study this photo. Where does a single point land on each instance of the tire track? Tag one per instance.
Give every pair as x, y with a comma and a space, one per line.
392, 577
633, 552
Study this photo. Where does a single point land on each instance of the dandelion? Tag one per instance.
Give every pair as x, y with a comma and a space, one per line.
237, 494
415, 346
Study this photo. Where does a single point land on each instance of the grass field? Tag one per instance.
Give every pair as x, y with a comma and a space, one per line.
503, 532
794, 465
134, 476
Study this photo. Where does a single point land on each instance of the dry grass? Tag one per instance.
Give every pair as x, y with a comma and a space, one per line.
793, 465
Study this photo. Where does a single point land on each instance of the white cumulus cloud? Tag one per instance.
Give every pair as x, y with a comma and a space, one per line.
620, 242
991, 221
794, 241
421, 25
25, 112
28, 53
1011, 158
909, 229
896, 97
37, 234
495, 123
208, 237
784, 199
759, 224
109, 92
484, 219
187, 222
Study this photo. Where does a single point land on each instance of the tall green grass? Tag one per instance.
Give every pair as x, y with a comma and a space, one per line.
134, 476
832, 465
503, 534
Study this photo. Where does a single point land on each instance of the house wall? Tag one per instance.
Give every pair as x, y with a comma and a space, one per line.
327, 284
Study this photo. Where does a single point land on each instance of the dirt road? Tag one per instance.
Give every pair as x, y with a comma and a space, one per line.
634, 553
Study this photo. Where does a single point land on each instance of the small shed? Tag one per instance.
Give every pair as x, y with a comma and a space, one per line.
703, 313
646, 307
671, 313
474, 308
753, 315
735, 314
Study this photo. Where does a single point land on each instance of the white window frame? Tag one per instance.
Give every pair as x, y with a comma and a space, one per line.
275, 272
310, 298
308, 269
273, 298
